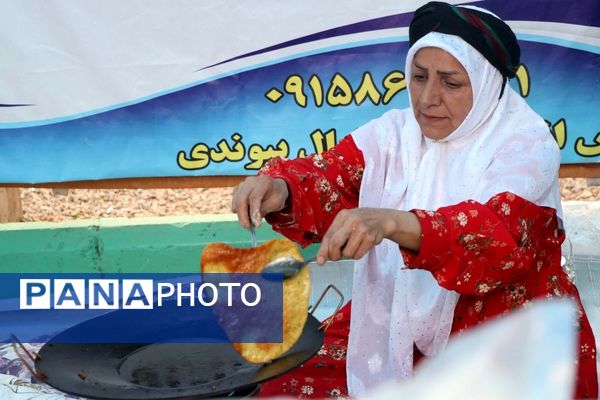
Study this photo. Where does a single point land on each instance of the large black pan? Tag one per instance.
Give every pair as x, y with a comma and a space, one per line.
163, 370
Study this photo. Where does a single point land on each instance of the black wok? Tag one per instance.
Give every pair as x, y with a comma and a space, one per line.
163, 370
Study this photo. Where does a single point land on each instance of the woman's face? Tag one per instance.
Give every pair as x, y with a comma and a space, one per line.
440, 92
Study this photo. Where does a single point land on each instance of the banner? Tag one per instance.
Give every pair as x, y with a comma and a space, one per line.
121, 89
141, 308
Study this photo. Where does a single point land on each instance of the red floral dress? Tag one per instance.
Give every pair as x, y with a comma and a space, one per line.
498, 256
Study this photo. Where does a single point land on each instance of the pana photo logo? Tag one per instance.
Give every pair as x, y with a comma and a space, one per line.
136, 294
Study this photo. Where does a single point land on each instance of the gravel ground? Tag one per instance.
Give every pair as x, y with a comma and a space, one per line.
49, 205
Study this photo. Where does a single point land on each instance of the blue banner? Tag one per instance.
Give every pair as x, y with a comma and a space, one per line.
141, 308
285, 92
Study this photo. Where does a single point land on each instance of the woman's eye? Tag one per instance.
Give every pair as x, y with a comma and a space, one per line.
452, 85
418, 77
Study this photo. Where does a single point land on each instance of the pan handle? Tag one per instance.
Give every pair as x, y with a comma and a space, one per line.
17, 345
329, 320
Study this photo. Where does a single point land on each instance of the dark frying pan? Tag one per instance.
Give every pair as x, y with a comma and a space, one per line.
163, 370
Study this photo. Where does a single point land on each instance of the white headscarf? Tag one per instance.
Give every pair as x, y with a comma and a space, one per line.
502, 145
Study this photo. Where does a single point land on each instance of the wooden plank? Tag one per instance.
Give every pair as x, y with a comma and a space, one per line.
148, 245
591, 170
170, 182
10, 205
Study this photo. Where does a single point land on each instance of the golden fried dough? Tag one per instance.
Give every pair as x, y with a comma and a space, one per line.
222, 258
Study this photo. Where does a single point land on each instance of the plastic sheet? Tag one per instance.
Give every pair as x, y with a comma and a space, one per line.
507, 358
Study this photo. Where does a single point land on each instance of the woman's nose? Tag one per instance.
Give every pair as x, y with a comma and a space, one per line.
431, 94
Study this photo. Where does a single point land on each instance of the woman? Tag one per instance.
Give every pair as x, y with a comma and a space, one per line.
451, 209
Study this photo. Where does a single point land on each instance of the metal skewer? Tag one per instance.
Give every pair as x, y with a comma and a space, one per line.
252, 234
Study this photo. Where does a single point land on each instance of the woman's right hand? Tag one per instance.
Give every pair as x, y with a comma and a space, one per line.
257, 196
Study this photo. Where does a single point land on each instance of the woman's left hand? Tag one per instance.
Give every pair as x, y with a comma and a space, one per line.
354, 232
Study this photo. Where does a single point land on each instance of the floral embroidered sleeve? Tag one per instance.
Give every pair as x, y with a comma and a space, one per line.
474, 248
320, 186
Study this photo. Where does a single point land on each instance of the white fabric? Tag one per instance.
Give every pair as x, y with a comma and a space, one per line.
502, 145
